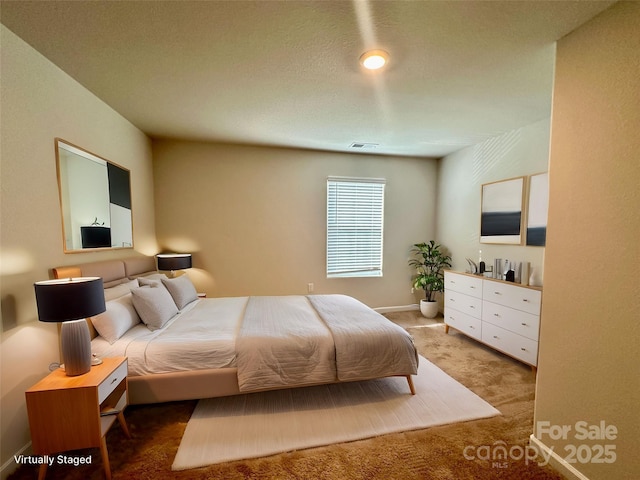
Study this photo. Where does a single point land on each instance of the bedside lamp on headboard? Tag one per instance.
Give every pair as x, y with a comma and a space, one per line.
173, 261
71, 301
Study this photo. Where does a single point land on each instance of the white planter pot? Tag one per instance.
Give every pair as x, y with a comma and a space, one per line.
429, 309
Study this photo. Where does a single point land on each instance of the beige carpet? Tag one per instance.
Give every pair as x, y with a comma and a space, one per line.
261, 424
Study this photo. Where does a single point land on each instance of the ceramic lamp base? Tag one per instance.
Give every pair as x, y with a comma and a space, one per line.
76, 347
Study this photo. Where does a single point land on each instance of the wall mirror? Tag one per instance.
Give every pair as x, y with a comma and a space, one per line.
95, 200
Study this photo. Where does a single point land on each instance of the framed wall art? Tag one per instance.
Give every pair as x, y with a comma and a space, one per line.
537, 210
501, 218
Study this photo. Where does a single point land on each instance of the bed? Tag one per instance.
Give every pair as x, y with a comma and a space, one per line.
181, 346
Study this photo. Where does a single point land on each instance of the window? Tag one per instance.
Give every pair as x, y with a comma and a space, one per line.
355, 219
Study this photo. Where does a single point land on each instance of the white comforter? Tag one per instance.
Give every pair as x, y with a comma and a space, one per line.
273, 341
202, 336
283, 342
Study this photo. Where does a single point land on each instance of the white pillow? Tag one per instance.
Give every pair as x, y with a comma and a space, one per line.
119, 290
117, 319
181, 289
151, 280
154, 305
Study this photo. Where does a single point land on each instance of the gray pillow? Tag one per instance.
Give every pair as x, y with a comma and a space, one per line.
154, 305
181, 289
151, 280
120, 290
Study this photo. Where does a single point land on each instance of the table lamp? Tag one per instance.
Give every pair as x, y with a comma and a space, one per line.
71, 301
173, 262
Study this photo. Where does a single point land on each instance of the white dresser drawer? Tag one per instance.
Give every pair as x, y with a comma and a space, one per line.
463, 322
510, 343
463, 303
463, 283
112, 381
517, 321
520, 298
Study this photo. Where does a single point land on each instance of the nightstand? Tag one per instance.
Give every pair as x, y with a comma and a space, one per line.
71, 413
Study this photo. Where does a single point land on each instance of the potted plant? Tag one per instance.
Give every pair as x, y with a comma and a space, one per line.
429, 264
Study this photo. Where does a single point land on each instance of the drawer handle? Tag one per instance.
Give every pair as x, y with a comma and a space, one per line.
471, 306
523, 324
472, 287
523, 349
525, 299
114, 381
497, 293
496, 337
472, 327
496, 314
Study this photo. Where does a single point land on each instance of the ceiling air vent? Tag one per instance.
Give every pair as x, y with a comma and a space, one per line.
363, 146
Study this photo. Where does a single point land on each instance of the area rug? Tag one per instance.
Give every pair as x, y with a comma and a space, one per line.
260, 424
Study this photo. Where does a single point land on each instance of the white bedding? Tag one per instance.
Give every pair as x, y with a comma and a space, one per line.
273, 341
367, 344
282, 341
202, 336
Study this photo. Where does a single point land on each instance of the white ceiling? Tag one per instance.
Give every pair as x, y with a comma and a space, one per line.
286, 73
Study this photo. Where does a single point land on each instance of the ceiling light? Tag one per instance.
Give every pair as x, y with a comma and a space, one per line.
374, 59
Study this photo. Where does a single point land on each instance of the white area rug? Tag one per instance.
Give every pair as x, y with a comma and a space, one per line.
266, 423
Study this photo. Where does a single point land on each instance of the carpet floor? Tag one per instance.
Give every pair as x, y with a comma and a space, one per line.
434, 453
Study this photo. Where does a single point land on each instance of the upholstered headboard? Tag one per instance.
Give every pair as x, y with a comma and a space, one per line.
112, 272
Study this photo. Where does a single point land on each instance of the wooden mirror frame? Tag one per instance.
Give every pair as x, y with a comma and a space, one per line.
103, 218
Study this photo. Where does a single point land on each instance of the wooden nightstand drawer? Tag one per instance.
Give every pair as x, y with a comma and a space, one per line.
111, 382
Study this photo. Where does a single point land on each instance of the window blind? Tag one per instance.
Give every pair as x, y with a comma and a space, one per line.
355, 220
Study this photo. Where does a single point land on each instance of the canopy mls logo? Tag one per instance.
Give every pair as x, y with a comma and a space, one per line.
589, 443
500, 454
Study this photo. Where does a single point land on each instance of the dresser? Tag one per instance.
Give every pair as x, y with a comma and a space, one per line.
502, 315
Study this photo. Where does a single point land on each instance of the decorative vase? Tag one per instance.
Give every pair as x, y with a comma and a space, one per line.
535, 279
429, 309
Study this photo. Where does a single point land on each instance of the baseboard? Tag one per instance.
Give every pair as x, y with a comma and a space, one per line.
400, 308
10, 465
556, 461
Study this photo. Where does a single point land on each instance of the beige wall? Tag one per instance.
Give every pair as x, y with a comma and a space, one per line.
255, 218
39, 102
589, 366
521, 152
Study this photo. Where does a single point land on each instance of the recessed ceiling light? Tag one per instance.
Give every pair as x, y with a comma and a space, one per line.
374, 59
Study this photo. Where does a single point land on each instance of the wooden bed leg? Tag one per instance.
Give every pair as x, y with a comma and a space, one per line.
446, 328
411, 387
